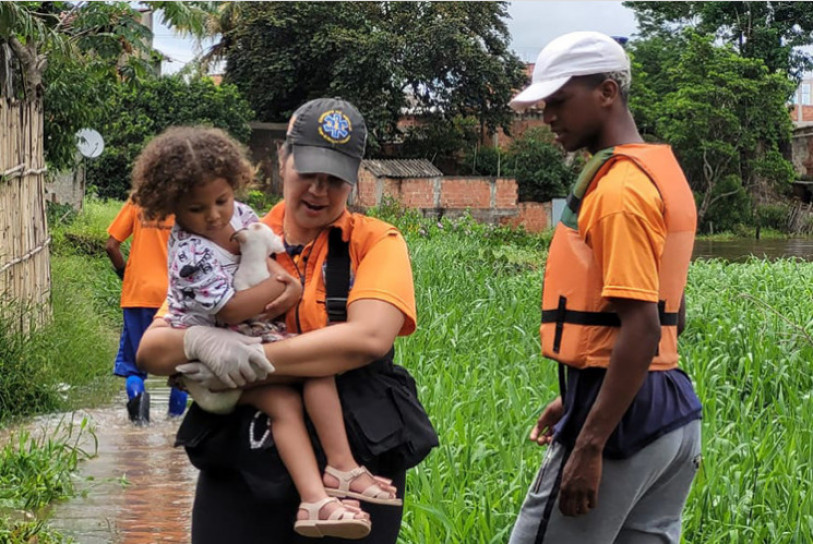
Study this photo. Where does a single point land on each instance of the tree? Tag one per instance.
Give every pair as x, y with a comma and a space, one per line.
139, 112
439, 60
723, 114
541, 168
770, 31
71, 54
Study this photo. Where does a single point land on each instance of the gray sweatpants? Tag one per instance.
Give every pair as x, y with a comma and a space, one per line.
640, 498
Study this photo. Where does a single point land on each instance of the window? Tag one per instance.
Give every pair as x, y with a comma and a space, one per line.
806, 94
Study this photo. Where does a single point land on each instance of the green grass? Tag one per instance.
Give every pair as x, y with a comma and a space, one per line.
35, 472
476, 359
67, 363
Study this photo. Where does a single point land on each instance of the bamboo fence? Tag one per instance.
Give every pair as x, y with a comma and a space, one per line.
25, 272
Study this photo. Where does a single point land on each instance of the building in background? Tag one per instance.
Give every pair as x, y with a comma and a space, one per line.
801, 112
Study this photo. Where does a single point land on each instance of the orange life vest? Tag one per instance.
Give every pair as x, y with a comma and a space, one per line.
578, 327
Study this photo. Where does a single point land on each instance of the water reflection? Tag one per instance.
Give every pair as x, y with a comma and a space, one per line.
141, 488
741, 250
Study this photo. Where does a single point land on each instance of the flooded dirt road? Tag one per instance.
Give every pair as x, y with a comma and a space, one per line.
141, 488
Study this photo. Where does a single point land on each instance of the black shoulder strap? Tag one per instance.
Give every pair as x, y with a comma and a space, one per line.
337, 277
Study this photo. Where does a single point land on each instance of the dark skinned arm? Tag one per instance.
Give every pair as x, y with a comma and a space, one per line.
629, 363
113, 249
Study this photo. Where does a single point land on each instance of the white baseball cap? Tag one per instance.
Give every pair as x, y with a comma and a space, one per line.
573, 54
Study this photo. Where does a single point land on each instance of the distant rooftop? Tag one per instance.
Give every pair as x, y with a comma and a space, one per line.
402, 168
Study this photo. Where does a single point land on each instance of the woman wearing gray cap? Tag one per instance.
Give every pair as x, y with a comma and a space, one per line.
356, 277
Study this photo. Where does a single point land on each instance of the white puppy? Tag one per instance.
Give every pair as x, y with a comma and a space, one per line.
257, 242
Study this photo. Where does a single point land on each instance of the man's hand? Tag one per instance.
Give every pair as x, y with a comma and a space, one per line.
578, 493
542, 433
234, 358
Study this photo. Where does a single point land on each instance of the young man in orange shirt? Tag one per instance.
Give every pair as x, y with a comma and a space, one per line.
624, 435
143, 290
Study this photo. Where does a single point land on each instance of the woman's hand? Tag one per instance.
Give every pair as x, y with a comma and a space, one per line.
234, 358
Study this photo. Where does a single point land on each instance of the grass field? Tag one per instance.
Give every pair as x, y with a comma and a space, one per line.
747, 346
475, 356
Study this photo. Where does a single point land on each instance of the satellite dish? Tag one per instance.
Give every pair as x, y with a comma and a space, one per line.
90, 143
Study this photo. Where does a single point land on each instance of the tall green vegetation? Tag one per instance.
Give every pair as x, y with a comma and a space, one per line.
748, 347
34, 472
68, 360
137, 113
774, 32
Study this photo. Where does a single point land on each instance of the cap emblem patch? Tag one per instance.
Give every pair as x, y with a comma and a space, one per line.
335, 127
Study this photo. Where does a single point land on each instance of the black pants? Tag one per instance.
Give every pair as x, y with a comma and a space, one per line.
225, 511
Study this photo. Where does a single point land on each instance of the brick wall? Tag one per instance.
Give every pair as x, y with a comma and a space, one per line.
465, 193
532, 216
486, 199
803, 116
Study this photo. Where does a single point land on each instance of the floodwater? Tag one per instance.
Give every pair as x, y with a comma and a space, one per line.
140, 489
740, 250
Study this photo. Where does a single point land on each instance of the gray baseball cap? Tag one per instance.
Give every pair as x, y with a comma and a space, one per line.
328, 136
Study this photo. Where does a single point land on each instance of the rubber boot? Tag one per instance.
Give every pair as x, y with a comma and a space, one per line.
138, 403
177, 402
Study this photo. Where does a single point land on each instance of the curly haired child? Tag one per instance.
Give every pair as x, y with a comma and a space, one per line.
193, 173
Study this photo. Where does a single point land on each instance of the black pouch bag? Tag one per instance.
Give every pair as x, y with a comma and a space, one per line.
386, 426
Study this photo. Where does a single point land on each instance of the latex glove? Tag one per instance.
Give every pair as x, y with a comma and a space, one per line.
234, 358
201, 374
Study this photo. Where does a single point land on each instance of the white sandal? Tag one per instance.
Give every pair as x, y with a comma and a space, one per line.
341, 523
374, 493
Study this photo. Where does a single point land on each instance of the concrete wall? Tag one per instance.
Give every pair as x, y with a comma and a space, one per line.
802, 152
67, 188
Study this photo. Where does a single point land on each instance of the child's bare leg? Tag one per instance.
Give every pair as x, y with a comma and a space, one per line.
283, 405
325, 410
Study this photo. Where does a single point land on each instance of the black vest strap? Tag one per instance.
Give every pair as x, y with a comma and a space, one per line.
337, 277
600, 319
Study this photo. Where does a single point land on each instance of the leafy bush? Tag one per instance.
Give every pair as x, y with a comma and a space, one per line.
485, 161
139, 113
539, 166
260, 201
731, 211
773, 216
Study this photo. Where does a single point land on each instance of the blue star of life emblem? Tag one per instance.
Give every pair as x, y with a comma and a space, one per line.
335, 127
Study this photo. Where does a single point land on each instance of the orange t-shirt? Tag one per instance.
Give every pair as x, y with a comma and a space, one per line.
623, 223
145, 276
379, 263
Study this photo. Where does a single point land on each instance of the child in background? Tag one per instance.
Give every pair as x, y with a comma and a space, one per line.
193, 173
143, 290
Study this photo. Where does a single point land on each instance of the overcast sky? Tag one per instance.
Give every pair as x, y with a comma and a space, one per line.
532, 26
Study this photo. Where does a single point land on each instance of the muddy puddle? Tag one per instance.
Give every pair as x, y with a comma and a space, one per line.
138, 489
